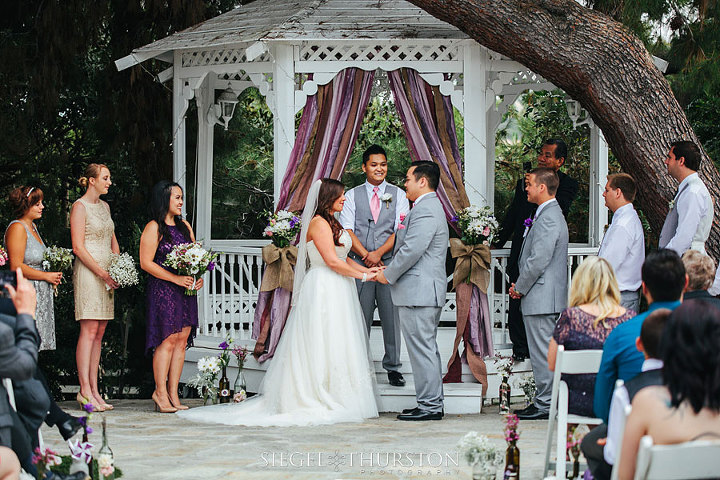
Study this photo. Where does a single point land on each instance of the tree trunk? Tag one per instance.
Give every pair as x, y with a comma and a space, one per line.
599, 63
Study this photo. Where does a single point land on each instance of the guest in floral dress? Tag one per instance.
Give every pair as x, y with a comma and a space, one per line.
593, 312
93, 241
25, 250
172, 316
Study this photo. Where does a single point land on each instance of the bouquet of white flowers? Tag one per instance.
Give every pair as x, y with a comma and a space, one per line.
478, 449
477, 224
282, 228
527, 385
57, 259
122, 270
205, 380
190, 259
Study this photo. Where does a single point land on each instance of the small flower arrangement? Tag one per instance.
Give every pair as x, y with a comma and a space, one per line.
240, 396
190, 259
386, 198
478, 225
241, 354
504, 364
282, 227
122, 270
527, 385
106, 465
57, 259
478, 449
225, 351
205, 380
511, 425
43, 460
3, 257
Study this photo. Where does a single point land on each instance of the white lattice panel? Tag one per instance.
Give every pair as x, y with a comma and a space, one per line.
230, 56
347, 52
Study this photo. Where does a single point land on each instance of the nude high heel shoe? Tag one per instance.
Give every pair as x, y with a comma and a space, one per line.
84, 400
160, 408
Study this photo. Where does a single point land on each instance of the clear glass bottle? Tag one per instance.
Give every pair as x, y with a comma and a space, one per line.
105, 456
504, 393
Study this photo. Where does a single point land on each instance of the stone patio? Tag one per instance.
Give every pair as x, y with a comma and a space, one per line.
149, 445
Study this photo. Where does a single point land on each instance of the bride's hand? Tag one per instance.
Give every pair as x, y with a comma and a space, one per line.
371, 276
376, 269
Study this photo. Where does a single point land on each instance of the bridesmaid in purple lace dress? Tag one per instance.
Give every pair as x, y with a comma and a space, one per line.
172, 316
593, 312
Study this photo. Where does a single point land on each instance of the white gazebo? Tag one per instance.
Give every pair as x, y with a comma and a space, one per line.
274, 45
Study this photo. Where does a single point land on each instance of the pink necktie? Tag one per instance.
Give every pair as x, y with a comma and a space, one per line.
375, 204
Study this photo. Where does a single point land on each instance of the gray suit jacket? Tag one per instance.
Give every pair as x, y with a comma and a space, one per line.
417, 273
543, 264
19, 342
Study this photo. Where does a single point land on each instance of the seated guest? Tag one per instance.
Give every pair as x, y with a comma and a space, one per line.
663, 281
687, 407
593, 312
601, 458
700, 270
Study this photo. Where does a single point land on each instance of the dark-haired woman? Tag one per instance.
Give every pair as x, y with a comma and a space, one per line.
321, 372
25, 249
93, 240
172, 316
688, 406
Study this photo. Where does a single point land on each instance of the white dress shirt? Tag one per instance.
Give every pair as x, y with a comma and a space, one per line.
624, 247
620, 400
694, 217
347, 216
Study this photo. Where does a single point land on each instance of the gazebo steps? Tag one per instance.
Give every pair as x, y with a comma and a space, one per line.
463, 397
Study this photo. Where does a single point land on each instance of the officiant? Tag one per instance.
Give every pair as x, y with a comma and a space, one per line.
372, 214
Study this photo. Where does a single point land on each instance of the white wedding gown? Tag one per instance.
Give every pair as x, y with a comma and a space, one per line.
321, 372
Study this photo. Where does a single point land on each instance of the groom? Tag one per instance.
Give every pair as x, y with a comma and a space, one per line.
418, 286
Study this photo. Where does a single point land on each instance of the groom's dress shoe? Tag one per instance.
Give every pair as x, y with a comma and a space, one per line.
69, 427
533, 414
520, 411
417, 409
418, 415
396, 379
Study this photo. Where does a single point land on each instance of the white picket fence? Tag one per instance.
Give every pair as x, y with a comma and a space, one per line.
227, 304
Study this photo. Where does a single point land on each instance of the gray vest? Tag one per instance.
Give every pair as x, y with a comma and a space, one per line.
374, 235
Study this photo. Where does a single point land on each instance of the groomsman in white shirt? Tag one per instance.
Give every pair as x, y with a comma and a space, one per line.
687, 225
624, 242
372, 214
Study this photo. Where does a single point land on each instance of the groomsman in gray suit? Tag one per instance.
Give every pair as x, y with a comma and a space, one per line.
418, 284
542, 283
371, 215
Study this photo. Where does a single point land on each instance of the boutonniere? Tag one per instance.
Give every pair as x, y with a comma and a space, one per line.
528, 222
671, 204
387, 198
402, 219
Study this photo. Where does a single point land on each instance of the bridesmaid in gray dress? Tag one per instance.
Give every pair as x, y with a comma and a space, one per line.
25, 249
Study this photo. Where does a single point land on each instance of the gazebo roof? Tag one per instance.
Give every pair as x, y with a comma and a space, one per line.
277, 20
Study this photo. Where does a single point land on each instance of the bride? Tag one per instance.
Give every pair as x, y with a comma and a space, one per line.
321, 372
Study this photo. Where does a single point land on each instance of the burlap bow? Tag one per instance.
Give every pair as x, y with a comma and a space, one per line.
279, 271
473, 263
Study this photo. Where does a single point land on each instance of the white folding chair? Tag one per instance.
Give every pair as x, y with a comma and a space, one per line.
570, 362
618, 447
696, 459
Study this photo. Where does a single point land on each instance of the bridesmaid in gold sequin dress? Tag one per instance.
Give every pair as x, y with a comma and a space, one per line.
93, 241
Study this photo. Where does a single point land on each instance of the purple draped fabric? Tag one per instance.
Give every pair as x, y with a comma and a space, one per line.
329, 126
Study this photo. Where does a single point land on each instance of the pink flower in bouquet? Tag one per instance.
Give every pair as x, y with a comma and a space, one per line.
402, 219
3, 257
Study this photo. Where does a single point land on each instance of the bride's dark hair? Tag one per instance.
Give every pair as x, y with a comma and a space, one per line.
330, 190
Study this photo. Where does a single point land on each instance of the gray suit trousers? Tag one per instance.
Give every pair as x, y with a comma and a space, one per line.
372, 294
630, 299
539, 329
419, 326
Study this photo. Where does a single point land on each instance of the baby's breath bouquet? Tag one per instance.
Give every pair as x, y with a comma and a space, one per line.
205, 380
190, 259
122, 270
477, 224
479, 452
282, 227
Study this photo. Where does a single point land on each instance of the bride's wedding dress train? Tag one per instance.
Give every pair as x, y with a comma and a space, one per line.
321, 372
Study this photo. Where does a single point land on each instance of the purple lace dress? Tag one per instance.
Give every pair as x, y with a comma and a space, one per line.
169, 310
575, 331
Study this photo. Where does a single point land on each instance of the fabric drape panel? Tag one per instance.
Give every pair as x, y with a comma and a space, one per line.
328, 129
429, 122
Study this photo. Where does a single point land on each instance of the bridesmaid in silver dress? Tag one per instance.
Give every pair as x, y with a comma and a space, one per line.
26, 248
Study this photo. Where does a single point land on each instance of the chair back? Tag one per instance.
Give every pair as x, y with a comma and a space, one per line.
621, 427
7, 383
696, 459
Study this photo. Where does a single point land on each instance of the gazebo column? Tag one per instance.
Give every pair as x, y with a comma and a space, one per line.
598, 177
479, 175
282, 104
180, 105
205, 98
